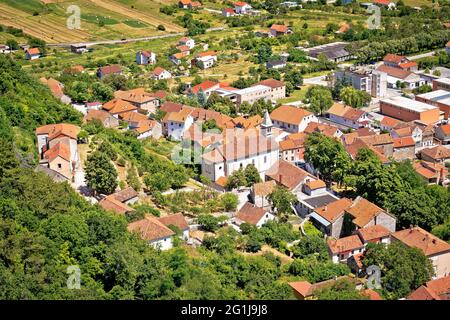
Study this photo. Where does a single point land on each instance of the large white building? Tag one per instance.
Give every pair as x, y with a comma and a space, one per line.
255, 146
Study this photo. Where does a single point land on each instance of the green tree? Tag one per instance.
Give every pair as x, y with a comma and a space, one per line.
319, 98
251, 175
282, 199
355, 98
101, 176
328, 156
403, 268
229, 201
236, 179
340, 290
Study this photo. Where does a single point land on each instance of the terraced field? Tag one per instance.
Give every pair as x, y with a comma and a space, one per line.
100, 19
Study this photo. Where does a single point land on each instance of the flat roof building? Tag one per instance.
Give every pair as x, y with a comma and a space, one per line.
409, 110
438, 98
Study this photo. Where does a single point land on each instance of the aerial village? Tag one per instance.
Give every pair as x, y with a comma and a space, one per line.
236, 155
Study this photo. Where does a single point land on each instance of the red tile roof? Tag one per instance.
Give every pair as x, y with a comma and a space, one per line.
393, 57
271, 83
116, 106
150, 229
176, 220
437, 153
395, 72
33, 51
287, 174
204, 86
158, 71
404, 142
438, 289
373, 232
289, 114
58, 150
345, 244
279, 28
250, 213
332, 211
114, 68
428, 243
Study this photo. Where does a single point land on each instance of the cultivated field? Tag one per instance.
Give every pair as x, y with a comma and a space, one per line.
100, 19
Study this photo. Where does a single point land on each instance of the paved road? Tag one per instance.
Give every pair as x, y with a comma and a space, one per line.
316, 80
93, 43
423, 55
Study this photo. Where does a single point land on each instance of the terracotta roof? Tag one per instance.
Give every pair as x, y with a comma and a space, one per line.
132, 116
170, 106
304, 288
185, 2
289, 114
55, 86
138, 95
183, 48
179, 55
204, 86
251, 214
389, 122
393, 57
33, 51
245, 123
445, 128
332, 211
109, 203
264, 188
438, 289
377, 139
240, 4
145, 125
287, 174
395, 72
358, 144
373, 232
222, 181
290, 144
404, 142
184, 39
160, 94
408, 64
279, 28
196, 4
150, 229
116, 106
176, 220
55, 130
347, 112
179, 116
207, 54
315, 184
146, 53
272, 83
416, 237
114, 68
249, 143
363, 211
383, 2
345, 244
437, 153
58, 150
125, 194
373, 295
158, 71
325, 129
101, 115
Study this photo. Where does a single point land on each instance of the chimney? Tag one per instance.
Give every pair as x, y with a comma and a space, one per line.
325, 208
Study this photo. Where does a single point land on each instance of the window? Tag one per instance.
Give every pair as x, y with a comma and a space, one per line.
59, 165
265, 159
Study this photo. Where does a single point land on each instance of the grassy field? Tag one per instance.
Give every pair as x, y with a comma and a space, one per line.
100, 19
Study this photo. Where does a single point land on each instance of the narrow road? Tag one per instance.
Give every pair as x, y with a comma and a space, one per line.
166, 35
423, 55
